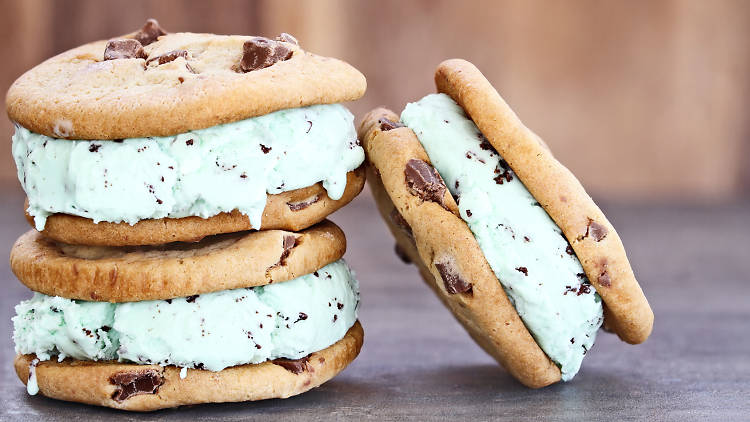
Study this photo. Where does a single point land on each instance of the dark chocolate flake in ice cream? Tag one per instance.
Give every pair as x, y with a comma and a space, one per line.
295, 366
149, 32
259, 53
265, 149
523, 270
388, 124
124, 49
424, 181
452, 280
133, 383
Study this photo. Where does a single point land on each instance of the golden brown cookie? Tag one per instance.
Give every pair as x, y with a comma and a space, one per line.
151, 387
293, 210
449, 256
592, 237
216, 263
144, 84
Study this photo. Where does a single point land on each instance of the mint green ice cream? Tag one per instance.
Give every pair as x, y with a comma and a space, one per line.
525, 249
200, 173
210, 331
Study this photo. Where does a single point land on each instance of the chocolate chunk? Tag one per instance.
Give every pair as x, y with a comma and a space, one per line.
134, 383
295, 366
387, 124
523, 270
191, 299
259, 53
301, 205
604, 279
284, 37
423, 181
301, 317
452, 280
399, 221
94, 147
189, 142
596, 230
265, 149
124, 49
288, 244
149, 33
402, 254
169, 56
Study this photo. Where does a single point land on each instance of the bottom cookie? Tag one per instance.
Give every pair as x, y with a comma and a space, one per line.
152, 387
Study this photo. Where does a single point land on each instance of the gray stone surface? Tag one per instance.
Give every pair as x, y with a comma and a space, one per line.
417, 363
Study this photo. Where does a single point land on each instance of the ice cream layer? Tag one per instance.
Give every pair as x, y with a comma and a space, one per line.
199, 173
210, 331
526, 250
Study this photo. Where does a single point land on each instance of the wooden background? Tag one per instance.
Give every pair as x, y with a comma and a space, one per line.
643, 100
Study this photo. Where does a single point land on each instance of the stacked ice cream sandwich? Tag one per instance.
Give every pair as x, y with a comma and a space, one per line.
178, 185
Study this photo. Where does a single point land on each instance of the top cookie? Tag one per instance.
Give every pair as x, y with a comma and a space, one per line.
557, 190
149, 83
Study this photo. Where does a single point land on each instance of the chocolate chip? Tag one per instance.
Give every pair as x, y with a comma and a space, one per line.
295, 366
399, 221
596, 230
387, 124
189, 142
468, 213
402, 254
301, 317
191, 299
124, 49
169, 57
284, 37
452, 280
134, 383
569, 250
288, 244
423, 181
523, 270
584, 289
259, 53
265, 149
300, 205
149, 33
94, 147
604, 279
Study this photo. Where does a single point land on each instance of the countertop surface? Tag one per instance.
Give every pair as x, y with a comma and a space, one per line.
418, 363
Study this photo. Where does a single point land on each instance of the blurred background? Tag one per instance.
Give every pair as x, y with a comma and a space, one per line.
643, 100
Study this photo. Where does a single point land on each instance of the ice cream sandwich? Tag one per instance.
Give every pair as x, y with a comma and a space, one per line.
503, 232
158, 137
178, 186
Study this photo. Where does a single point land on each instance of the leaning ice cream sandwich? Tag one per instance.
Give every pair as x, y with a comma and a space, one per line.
234, 317
157, 137
505, 234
